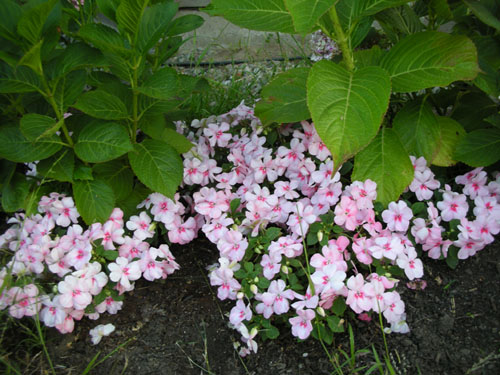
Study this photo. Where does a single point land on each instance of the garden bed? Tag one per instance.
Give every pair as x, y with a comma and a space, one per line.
178, 327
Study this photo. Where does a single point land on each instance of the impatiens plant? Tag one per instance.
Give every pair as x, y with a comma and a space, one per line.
394, 79
85, 93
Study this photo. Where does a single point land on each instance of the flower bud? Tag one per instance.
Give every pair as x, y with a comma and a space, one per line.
254, 331
152, 227
234, 227
320, 235
320, 311
254, 289
256, 280
284, 269
240, 295
257, 251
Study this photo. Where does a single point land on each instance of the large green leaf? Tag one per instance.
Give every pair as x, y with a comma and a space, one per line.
11, 12
35, 126
176, 140
15, 192
347, 108
104, 37
77, 56
488, 50
184, 24
418, 128
129, 15
24, 80
386, 162
479, 148
430, 59
94, 200
102, 105
31, 23
108, 8
15, 147
118, 175
161, 85
263, 15
306, 13
154, 24
102, 141
32, 58
471, 108
69, 88
60, 166
284, 98
483, 13
157, 165
450, 134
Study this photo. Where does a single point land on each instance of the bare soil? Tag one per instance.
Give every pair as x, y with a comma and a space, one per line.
178, 326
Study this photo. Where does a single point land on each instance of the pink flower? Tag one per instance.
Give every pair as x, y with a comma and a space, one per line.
182, 233
364, 193
301, 324
123, 272
275, 300
141, 226
360, 295
345, 213
216, 134
386, 247
239, 313
394, 307
232, 245
412, 266
397, 216
75, 293
271, 266
301, 218
52, 313
306, 301
328, 278
453, 206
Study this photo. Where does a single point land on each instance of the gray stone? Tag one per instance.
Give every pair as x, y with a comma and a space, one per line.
192, 3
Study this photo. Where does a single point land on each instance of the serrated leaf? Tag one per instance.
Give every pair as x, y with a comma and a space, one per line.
368, 57
129, 14
262, 15
77, 56
25, 80
450, 134
15, 192
479, 148
118, 175
284, 98
60, 166
31, 23
102, 105
386, 162
430, 59
130, 203
34, 126
483, 13
161, 85
15, 147
272, 233
102, 141
176, 140
306, 13
347, 108
157, 165
418, 129
11, 12
472, 108
154, 24
82, 172
94, 200
105, 38
32, 58
334, 322
184, 24
69, 88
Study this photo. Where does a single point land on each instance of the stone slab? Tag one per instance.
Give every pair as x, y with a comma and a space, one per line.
192, 3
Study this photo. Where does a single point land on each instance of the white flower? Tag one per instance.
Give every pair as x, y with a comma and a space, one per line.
100, 331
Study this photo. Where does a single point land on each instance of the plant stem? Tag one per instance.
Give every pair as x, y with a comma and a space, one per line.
135, 97
42, 341
342, 39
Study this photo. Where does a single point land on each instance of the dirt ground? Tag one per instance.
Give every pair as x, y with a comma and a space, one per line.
178, 327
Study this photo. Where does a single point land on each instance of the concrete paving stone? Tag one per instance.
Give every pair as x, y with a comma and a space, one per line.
220, 40
192, 3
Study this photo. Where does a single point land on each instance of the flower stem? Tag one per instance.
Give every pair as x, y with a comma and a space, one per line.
342, 39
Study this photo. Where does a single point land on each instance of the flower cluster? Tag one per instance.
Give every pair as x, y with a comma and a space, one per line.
63, 272
323, 48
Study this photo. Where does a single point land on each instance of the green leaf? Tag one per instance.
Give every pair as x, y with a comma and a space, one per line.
94, 200
262, 15
77, 56
176, 140
338, 307
110, 255
368, 57
233, 206
15, 147
306, 13
102, 141
105, 38
418, 207
450, 134
347, 108
418, 129
154, 24
60, 166
430, 59
362, 8
272, 332
184, 24
334, 322
82, 172
272, 233
32, 58
118, 175
386, 162
25, 80
488, 50
35, 126
284, 98
161, 85
157, 165
400, 20
452, 257
479, 148
11, 12
69, 88
483, 13
108, 8
101, 104
472, 108
129, 15
15, 192
130, 203
31, 23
